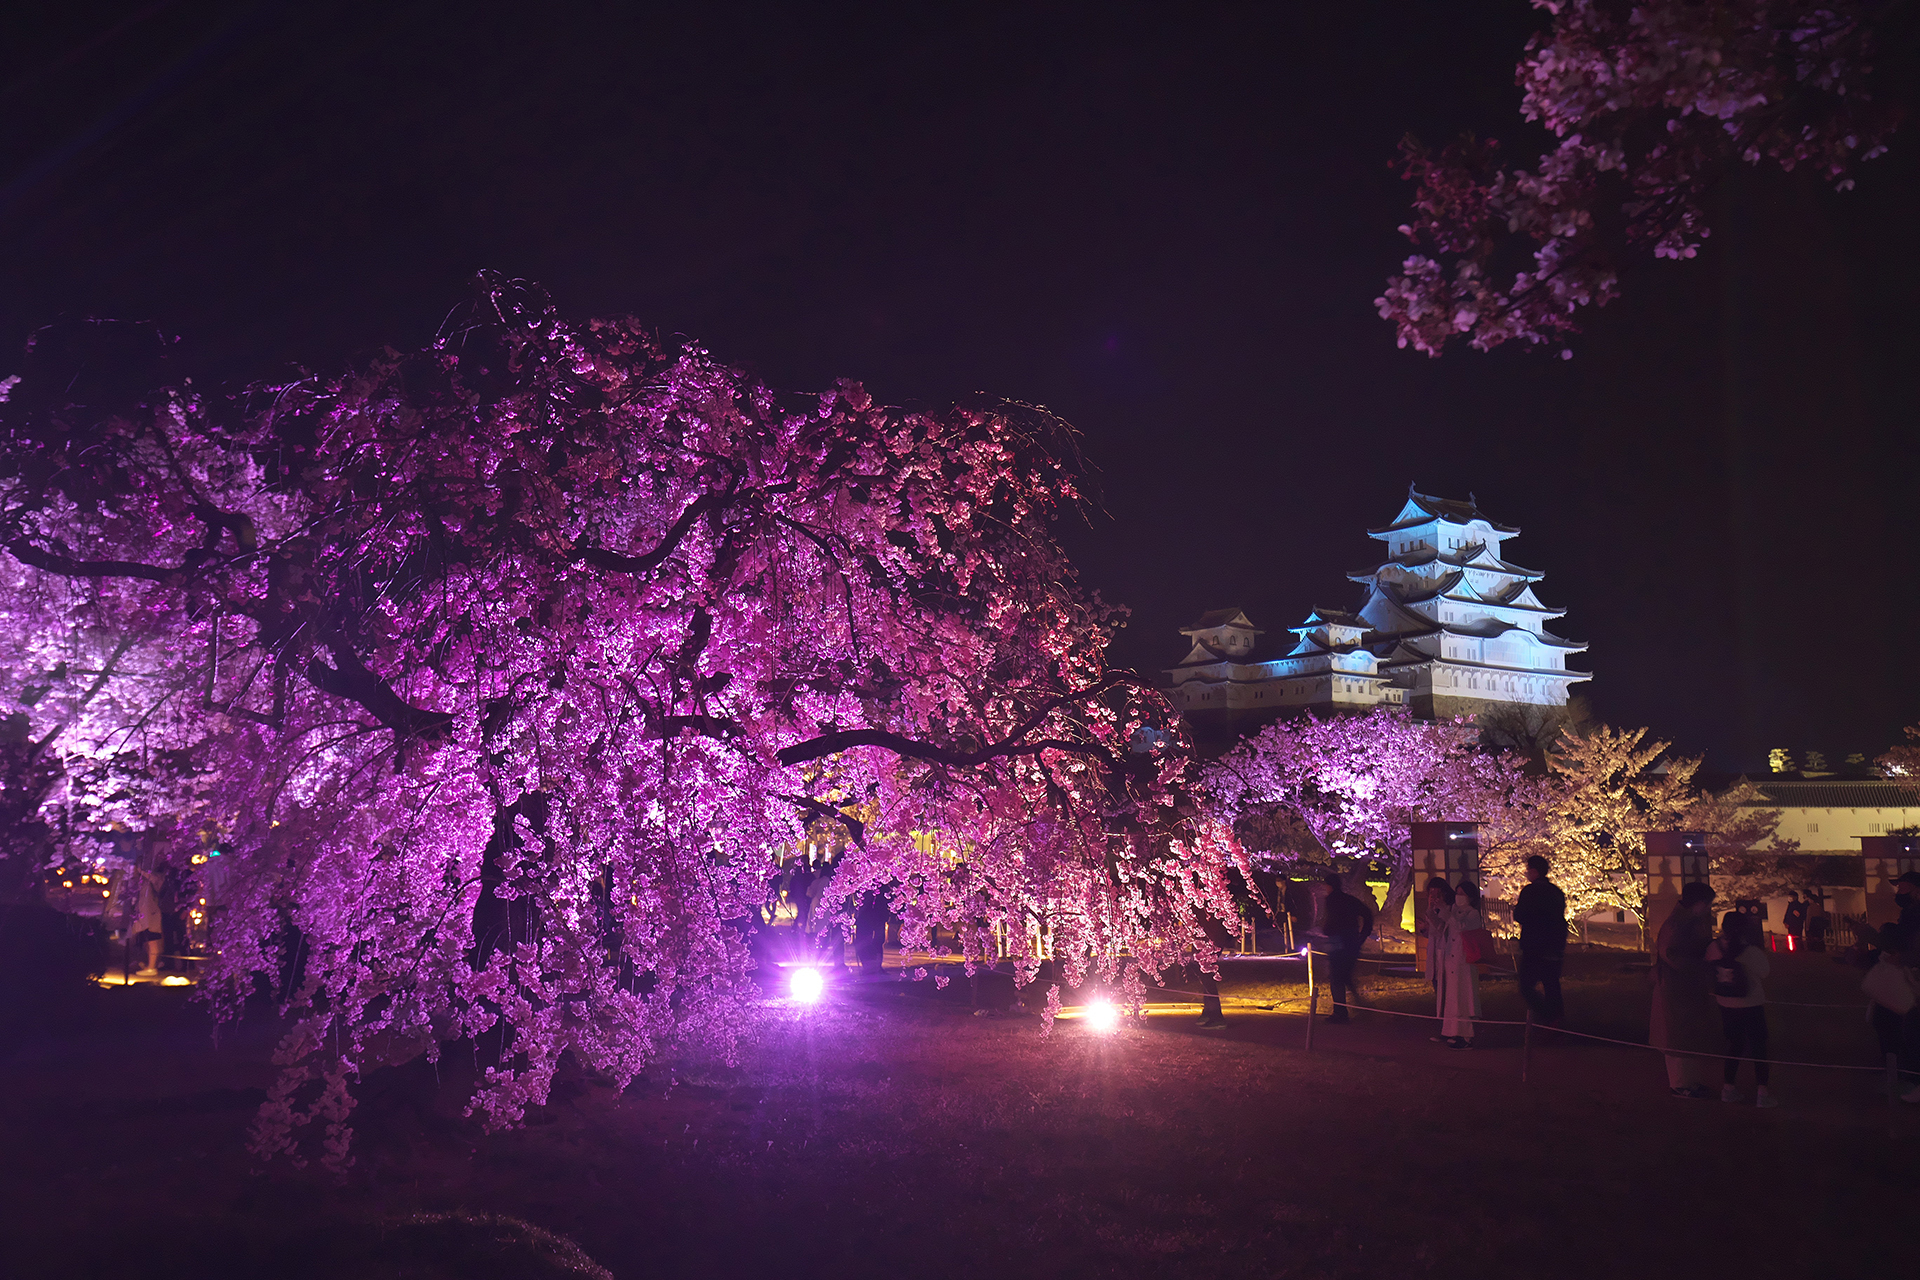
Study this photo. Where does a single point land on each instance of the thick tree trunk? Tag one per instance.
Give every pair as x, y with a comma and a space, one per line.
1399, 885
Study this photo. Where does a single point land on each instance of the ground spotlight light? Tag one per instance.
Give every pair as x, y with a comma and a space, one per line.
807, 985
1102, 1016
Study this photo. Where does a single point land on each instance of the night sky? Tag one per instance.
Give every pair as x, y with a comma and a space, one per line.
1167, 223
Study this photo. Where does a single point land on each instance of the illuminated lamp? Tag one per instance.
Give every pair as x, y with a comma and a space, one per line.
1101, 1016
807, 985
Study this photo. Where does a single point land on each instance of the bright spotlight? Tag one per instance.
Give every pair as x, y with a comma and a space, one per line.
807, 985
1102, 1016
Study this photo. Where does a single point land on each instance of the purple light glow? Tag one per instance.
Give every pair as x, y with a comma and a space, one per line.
807, 986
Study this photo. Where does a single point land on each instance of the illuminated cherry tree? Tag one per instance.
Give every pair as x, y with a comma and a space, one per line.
1357, 784
1649, 103
1903, 760
500, 669
1609, 788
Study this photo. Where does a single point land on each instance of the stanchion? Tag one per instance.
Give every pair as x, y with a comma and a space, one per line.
1526, 1047
1313, 1001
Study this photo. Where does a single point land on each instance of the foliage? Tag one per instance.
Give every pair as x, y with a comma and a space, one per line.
1357, 783
1613, 786
1649, 103
499, 669
1903, 760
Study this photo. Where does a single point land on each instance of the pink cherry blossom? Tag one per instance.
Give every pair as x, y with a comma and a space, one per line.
1649, 104
501, 671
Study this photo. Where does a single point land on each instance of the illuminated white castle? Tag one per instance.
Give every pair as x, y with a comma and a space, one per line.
1448, 628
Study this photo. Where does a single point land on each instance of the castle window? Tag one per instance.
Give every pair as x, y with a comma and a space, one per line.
1813, 826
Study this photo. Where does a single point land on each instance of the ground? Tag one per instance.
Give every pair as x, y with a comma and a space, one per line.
887, 1128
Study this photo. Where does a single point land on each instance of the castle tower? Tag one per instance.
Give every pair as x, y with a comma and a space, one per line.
1454, 623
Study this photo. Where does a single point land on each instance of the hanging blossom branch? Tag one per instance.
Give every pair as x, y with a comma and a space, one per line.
569, 634
1649, 103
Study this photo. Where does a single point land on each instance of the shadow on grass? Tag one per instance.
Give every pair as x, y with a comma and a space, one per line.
424, 1246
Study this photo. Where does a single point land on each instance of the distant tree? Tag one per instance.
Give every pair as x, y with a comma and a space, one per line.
1357, 784
1902, 761
1780, 760
501, 669
1530, 729
1614, 786
1816, 762
1650, 103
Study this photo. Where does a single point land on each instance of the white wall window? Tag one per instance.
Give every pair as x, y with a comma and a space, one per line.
1813, 826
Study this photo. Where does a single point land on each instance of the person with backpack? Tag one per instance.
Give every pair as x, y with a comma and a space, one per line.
1346, 923
1738, 963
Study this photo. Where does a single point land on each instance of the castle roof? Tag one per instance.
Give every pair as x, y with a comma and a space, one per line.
1214, 618
1422, 507
1320, 616
1465, 558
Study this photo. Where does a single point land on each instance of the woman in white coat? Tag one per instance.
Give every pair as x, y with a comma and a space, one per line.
1456, 986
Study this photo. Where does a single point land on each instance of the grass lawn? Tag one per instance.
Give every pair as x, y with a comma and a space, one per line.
886, 1128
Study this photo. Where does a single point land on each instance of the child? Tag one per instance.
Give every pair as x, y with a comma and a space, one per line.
1738, 965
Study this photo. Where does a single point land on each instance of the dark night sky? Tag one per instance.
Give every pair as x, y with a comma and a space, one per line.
1167, 223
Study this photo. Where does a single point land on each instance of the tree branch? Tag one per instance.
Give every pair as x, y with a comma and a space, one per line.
1013, 744
26, 553
601, 558
351, 678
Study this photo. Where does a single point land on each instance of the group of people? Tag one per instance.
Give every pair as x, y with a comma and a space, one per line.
1698, 972
1705, 980
1458, 942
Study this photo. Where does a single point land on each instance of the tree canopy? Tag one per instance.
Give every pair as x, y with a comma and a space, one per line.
501, 669
1649, 103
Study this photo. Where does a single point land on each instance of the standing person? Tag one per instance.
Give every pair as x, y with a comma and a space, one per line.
870, 933
1816, 921
1456, 987
798, 883
150, 914
1738, 963
1683, 1005
1895, 993
1346, 923
1794, 921
1906, 896
1541, 913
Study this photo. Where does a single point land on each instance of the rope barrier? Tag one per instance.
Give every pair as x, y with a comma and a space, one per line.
1630, 1044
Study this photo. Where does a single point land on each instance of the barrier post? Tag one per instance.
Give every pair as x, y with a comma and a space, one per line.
1526, 1047
1313, 999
